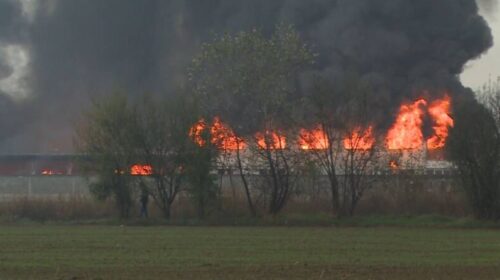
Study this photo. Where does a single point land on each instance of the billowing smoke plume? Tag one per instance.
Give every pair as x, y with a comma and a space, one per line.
79, 49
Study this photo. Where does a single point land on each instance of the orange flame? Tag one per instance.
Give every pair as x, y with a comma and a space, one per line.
48, 172
393, 165
270, 140
224, 137
315, 139
360, 139
196, 132
407, 133
141, 170
221, 135
440, 113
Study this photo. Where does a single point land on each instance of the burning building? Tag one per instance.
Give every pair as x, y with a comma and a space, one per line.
404, 49
404, 145
405, 139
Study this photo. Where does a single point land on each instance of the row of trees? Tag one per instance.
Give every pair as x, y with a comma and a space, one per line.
248, 85
251, 83
117, 135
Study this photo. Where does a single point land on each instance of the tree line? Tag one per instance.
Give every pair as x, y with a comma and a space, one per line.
250, 85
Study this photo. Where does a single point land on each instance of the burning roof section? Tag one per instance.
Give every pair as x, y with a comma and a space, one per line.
406, 133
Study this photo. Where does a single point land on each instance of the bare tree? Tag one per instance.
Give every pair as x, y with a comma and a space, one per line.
359, 162
474, 146
342, 139
164, 145
489, 95
279, 164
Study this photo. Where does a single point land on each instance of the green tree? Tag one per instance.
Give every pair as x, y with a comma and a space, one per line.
107, 136
164, 145
251, 83
200, 163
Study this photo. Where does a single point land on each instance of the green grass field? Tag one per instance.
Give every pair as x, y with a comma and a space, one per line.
114, 252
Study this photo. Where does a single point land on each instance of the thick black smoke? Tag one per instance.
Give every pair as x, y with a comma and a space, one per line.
13, 115
84, 48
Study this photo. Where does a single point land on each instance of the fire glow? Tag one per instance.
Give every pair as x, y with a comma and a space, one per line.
405, 134
360, 139
315, 139
141, 170
224, 137
271, 140
49, 172
394, 165
196, 132
439, 110
221, 135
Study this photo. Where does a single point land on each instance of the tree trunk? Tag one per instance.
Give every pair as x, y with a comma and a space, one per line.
245, 184
166, 211
334, 186
274, 184
201, 208
122, 197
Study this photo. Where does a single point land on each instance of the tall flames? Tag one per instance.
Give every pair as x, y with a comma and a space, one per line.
224, 137
271, 140
220, 135
314, 139
360, 139
405, 134
439, 110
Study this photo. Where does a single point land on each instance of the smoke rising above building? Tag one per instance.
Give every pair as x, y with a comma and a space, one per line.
75, 50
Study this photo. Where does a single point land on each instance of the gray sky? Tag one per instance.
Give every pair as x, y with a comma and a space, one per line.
478, 72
